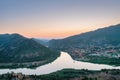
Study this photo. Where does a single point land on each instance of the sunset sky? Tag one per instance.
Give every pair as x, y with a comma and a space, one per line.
57, 18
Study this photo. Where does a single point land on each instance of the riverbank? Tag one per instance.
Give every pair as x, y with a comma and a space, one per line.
67, 74
64, 61
33, 64
100, 60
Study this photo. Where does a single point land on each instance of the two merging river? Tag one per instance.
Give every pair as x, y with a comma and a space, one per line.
62, 62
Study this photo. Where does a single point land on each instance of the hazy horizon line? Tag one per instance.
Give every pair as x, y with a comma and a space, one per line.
61, 36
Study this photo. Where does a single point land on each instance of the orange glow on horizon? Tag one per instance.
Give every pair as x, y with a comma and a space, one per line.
61, 34
55, 32
51, 35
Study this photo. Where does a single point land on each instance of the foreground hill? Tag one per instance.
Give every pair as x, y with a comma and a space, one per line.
15, 48
67, 74
101, 46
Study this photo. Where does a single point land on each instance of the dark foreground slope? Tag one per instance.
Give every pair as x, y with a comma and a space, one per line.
15, 48
67, 74
101, 46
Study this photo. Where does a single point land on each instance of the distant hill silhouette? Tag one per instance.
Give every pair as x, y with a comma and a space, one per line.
41, 41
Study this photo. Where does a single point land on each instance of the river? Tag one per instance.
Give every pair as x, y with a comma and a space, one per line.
62, 62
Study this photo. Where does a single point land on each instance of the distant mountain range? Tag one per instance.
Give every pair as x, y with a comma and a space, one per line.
15, 48
102, 43
41, 41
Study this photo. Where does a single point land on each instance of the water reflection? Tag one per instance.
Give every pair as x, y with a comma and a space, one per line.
64, 61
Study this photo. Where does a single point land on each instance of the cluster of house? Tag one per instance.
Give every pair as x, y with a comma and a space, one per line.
111, 52
107, 53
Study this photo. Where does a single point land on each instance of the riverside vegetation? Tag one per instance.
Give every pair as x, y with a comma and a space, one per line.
67, 74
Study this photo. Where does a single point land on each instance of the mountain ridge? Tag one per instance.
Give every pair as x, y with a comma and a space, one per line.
15, 48
99, 42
